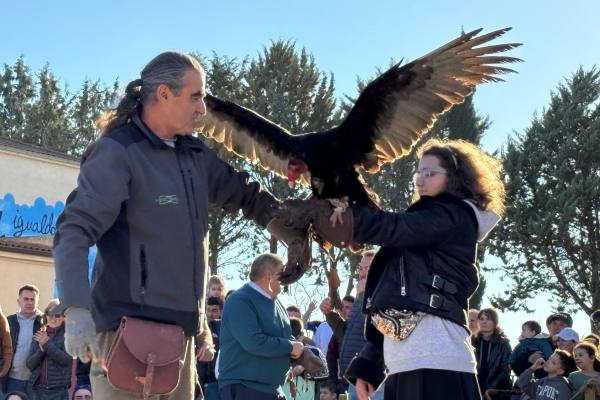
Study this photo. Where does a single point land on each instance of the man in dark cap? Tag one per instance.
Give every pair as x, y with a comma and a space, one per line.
557, 322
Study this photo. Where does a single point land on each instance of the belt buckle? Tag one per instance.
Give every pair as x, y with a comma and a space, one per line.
437, 282
435, 301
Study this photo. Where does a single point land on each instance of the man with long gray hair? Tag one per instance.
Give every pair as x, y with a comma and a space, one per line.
142, 197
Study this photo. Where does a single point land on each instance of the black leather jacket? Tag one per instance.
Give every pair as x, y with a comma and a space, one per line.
426, 263
498, 369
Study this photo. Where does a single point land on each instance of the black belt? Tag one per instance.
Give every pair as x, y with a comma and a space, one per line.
439, 283
437, 300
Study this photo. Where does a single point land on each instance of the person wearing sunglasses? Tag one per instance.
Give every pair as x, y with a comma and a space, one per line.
418, 286
48, 361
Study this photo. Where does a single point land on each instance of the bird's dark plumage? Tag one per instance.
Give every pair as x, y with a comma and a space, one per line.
388, 118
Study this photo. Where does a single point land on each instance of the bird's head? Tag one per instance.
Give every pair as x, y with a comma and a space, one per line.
296, 168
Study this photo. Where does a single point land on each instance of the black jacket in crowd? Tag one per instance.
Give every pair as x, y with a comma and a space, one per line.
59, 361
498, 368
206, 370
426, 263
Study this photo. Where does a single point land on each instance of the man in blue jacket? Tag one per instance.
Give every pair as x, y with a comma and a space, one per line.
256, 337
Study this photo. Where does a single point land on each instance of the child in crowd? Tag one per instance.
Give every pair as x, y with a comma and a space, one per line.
586, 359
532, 340
216, 287
553, 387
327, 391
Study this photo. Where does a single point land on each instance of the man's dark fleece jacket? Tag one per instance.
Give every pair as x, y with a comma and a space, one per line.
145, 205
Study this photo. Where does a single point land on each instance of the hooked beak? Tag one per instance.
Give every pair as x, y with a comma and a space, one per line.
295, 169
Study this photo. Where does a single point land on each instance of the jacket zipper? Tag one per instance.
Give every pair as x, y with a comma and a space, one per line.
143, 272
190, 199
402, 278
193, 193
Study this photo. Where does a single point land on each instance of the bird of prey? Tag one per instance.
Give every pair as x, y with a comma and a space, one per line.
387, 119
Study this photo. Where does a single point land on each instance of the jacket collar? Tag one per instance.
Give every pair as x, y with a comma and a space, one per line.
189, 142
443, 197
151, 136
183, 143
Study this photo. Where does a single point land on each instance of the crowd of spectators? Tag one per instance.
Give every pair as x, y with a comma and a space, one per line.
555, 363
34, 364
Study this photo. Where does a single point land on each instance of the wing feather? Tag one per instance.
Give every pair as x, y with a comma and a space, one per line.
249, 135
402, 104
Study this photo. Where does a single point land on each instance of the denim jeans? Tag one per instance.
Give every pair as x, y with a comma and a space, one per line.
15, 385
211, 391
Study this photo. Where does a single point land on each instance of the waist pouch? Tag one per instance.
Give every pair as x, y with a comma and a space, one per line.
146, 357
396, 324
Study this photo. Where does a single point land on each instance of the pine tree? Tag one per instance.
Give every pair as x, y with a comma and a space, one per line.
17, 92
549, 241
37, 110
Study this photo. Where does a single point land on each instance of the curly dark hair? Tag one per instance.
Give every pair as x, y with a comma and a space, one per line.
472, 173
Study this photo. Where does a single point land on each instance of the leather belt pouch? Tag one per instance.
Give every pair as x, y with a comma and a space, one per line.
146, 357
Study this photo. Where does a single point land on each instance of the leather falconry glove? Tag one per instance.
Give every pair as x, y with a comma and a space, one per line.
80, 334
298, 241
330, 219
292, 222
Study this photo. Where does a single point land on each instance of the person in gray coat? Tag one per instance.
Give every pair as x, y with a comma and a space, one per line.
48, 361
142, 196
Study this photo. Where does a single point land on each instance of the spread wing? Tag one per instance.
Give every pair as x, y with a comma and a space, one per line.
249, 135
402, 104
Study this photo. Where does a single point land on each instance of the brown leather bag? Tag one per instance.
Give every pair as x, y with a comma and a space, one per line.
146, 357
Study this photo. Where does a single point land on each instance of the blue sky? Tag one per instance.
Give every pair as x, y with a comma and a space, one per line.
114, 39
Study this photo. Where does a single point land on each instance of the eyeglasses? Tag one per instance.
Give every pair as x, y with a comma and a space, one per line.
427, 173
83, 397
54, 315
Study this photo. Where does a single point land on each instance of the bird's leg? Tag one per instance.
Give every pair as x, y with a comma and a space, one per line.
339, 207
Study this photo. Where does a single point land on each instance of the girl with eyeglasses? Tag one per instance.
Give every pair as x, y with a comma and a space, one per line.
48, 361
420, 281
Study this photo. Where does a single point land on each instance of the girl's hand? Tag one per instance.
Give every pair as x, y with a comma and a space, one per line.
364, 390
41, 337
